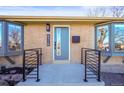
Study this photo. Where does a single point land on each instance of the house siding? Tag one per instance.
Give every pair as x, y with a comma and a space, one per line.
35, 36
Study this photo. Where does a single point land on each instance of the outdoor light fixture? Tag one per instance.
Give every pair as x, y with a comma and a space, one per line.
48, 27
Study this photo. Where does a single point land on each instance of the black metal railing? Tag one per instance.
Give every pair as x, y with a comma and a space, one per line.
83, 55
32, 58
91, 58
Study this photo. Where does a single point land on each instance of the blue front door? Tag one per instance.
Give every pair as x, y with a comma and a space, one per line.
61, 43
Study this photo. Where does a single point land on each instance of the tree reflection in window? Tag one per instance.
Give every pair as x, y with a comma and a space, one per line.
0, 35
14, 37
119, 37
103, 38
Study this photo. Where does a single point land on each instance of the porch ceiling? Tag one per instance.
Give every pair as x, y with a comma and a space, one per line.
70, 19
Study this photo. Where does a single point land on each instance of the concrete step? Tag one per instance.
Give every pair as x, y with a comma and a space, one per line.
61, 62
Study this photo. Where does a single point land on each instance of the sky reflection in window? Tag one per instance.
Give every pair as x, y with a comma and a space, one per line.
103, 38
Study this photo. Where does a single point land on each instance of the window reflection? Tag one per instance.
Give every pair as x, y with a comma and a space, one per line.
14, 37
0, 35
58, 41
119, 37
103, 38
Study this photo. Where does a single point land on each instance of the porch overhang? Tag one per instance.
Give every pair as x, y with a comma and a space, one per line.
70, 19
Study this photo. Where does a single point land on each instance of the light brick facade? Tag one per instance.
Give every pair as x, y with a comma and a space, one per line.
35, 36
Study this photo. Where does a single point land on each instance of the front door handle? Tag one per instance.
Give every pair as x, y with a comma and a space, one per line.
54, 45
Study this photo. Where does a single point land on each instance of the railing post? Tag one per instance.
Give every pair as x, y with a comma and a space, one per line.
40, 56
37, 66
81, 55
85, 68
24, 65
99, 63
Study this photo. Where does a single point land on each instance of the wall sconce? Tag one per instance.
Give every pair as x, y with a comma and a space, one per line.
48, 27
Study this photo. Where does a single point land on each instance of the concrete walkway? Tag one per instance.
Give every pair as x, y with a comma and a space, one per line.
61, 74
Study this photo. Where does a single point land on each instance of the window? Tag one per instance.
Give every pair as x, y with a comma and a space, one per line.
102, 38
110, 38
0, 35
14, 37
118, 37
58, 41
11, 38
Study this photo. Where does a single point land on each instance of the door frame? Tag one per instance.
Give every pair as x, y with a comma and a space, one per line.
53, 40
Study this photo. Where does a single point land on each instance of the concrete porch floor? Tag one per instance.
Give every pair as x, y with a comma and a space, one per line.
61, 75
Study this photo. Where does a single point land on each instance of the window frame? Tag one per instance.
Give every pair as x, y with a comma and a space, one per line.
1, 34
4, 50
8, 51
109, 27
2, 39
113, 48
8, 37
112, 51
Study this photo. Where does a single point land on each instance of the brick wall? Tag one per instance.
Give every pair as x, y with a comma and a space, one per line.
35, 37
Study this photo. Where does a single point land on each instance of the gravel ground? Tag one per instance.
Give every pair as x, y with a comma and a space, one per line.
113, 79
